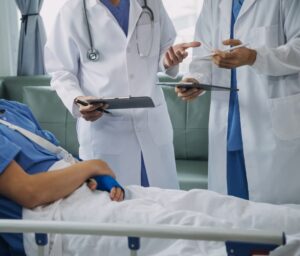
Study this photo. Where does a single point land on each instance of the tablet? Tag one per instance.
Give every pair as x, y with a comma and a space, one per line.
206, 87
124, 103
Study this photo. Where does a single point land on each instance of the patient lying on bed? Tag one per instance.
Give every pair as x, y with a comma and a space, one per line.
37, 185
24, 177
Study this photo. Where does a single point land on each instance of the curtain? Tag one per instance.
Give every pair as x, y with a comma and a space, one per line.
9, 34
32, 38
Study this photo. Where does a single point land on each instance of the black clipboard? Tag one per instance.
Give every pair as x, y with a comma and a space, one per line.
124, 103
206, 87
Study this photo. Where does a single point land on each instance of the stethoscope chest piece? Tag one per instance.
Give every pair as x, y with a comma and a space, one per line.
93, 55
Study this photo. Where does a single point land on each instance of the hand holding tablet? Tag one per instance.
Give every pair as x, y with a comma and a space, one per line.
190, 85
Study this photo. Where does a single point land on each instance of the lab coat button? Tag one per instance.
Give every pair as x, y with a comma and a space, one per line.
131, 76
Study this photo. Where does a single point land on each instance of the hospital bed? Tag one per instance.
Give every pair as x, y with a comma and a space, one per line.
238, 242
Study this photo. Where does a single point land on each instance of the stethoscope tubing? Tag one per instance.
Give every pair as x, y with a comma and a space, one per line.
92, 53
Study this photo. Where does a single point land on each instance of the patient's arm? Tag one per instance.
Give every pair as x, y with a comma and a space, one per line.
34, 190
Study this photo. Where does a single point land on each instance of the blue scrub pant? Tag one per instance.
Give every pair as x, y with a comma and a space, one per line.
144, 177
237, 184
4, 250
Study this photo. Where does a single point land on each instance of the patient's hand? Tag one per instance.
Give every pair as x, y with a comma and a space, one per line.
108, 184
116, 194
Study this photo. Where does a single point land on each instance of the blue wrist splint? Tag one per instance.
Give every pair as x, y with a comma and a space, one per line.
106, 183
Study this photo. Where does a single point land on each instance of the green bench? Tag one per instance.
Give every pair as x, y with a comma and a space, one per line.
190, 123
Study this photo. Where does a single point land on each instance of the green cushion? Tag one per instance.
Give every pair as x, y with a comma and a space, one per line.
190, 124
13, 85
192, 174
52, 115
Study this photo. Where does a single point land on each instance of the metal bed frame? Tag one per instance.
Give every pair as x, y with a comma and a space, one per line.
238, 242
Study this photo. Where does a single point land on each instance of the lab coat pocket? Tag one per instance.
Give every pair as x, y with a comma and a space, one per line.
147, 39
285, 117
160, 125
264, 36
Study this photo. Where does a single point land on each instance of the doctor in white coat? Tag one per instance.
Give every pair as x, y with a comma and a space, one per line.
264, 116
133, 43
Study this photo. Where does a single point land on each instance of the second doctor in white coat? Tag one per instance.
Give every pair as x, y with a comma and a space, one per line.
120, 138
268, 78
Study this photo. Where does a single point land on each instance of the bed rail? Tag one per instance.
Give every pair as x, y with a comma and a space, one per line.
134, 232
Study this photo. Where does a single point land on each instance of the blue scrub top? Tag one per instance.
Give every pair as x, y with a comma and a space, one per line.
120, 12
31, 157
237, 184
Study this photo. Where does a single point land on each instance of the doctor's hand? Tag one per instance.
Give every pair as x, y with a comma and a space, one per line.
188, 94
90, 112
236, 58
177, 53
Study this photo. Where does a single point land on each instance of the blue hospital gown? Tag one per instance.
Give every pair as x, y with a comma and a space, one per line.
31, 157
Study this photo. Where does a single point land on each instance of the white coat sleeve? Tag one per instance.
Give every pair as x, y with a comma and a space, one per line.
284, 60
62, 61
168, 36
201, 70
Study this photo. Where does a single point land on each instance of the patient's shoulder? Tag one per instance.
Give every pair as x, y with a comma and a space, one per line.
14, 105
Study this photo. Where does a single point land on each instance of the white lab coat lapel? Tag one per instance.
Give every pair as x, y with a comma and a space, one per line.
227, 8
225, 13
134, 15
225, 21
247, 5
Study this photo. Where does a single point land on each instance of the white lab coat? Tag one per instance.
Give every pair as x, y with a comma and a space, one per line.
118, 139
269, 95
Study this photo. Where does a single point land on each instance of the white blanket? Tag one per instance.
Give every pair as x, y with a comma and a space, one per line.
198, 208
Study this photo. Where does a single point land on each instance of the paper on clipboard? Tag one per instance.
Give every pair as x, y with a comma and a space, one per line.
125, 102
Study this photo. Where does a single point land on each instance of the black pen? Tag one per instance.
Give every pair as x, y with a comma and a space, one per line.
83, 103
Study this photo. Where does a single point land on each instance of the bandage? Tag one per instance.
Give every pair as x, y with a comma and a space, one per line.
106, 183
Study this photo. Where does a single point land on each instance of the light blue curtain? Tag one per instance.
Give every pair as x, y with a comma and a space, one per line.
9, 34
32, 38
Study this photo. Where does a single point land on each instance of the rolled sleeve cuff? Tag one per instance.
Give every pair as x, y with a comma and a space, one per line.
172, 72
70, 103
259, 63
68, 98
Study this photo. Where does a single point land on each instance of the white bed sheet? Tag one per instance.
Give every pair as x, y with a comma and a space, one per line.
153, 205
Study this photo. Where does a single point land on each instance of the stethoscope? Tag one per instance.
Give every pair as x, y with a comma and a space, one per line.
94, 55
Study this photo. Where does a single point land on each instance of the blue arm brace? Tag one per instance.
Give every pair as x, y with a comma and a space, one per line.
106, 183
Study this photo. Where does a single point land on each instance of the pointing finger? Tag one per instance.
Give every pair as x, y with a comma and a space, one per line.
194, 44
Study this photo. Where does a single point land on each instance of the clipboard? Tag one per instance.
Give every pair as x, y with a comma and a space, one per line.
205, 87
125, 102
